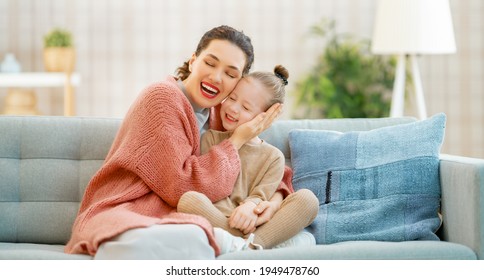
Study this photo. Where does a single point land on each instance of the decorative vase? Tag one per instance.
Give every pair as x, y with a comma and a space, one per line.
10, 64
20, 102
57, 59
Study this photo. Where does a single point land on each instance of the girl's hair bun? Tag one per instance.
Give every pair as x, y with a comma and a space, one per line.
282, 73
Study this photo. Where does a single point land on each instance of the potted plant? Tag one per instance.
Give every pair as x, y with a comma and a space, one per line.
347, 81
59, 52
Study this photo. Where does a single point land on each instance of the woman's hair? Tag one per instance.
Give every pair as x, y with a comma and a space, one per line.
275, 83
227, 33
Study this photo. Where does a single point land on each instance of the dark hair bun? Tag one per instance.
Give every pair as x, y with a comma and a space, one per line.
281, 71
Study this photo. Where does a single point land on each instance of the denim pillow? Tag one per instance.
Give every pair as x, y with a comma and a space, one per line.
381, 184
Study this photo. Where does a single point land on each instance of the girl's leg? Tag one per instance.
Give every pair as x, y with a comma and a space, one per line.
298, 210
197, 203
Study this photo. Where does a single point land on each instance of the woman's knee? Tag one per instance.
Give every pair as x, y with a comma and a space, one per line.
171, 241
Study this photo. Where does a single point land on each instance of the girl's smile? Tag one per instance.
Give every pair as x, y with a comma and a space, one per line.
249, 99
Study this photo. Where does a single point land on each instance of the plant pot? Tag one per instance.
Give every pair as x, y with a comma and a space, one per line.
57, 59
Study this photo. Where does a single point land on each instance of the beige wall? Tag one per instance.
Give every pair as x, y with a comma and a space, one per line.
124, 45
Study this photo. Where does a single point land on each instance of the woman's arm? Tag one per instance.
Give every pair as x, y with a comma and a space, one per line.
160, 143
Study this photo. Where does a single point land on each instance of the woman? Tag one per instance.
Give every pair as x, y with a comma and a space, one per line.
129, 208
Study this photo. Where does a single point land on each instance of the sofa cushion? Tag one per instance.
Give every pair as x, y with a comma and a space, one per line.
362, 250
381, 184
30, 251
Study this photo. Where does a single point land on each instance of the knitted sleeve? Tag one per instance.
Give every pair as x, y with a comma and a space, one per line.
160, 143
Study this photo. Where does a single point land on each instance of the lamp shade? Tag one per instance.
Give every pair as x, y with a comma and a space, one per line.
413, 27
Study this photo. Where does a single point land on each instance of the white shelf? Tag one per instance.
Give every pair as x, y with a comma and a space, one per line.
45, 79
40, 79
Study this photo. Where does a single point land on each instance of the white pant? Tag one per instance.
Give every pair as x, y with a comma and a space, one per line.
158, 242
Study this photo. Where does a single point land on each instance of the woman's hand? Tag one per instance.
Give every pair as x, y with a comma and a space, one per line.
244, 217
253, 128
266, 209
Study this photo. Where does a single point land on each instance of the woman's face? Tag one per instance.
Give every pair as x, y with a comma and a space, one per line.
214, 73
249, 99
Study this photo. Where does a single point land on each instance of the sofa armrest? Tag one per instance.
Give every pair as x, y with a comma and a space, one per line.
462, 181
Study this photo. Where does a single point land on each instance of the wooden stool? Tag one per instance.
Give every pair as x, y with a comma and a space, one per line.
20, 102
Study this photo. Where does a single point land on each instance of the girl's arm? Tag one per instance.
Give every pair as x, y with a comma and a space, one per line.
267, 209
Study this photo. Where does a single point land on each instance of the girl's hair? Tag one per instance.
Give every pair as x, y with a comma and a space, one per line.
227, 33
274, 82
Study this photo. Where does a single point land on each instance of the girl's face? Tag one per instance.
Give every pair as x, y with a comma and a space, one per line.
214, 73
248, 99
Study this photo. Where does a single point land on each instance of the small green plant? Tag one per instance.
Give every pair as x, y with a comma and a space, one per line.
58, 38
347, 80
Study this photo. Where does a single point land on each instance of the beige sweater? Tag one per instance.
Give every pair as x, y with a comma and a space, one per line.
262, 169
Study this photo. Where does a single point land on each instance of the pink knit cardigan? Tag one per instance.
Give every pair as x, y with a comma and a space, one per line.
154, 159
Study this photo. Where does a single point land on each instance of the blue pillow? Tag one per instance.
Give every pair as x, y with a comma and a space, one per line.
381, 184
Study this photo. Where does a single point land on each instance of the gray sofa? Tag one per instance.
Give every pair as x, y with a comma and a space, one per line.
46, 162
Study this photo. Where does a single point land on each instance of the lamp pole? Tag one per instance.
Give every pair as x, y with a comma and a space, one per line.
398, 97
409, 28
417, 83
396, 109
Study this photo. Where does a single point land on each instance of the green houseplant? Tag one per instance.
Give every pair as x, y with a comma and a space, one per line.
347, 81
59, 52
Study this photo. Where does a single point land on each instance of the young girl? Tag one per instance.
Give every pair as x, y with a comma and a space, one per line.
262, 168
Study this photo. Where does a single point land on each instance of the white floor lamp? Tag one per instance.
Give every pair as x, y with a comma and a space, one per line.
409, 28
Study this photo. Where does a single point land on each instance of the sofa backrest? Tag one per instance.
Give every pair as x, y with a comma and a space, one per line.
46, 163
278, 133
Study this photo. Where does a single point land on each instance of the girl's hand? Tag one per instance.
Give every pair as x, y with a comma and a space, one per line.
266, 209
244, 218
256, 126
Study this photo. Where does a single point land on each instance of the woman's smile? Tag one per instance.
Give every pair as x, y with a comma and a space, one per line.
209, 90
